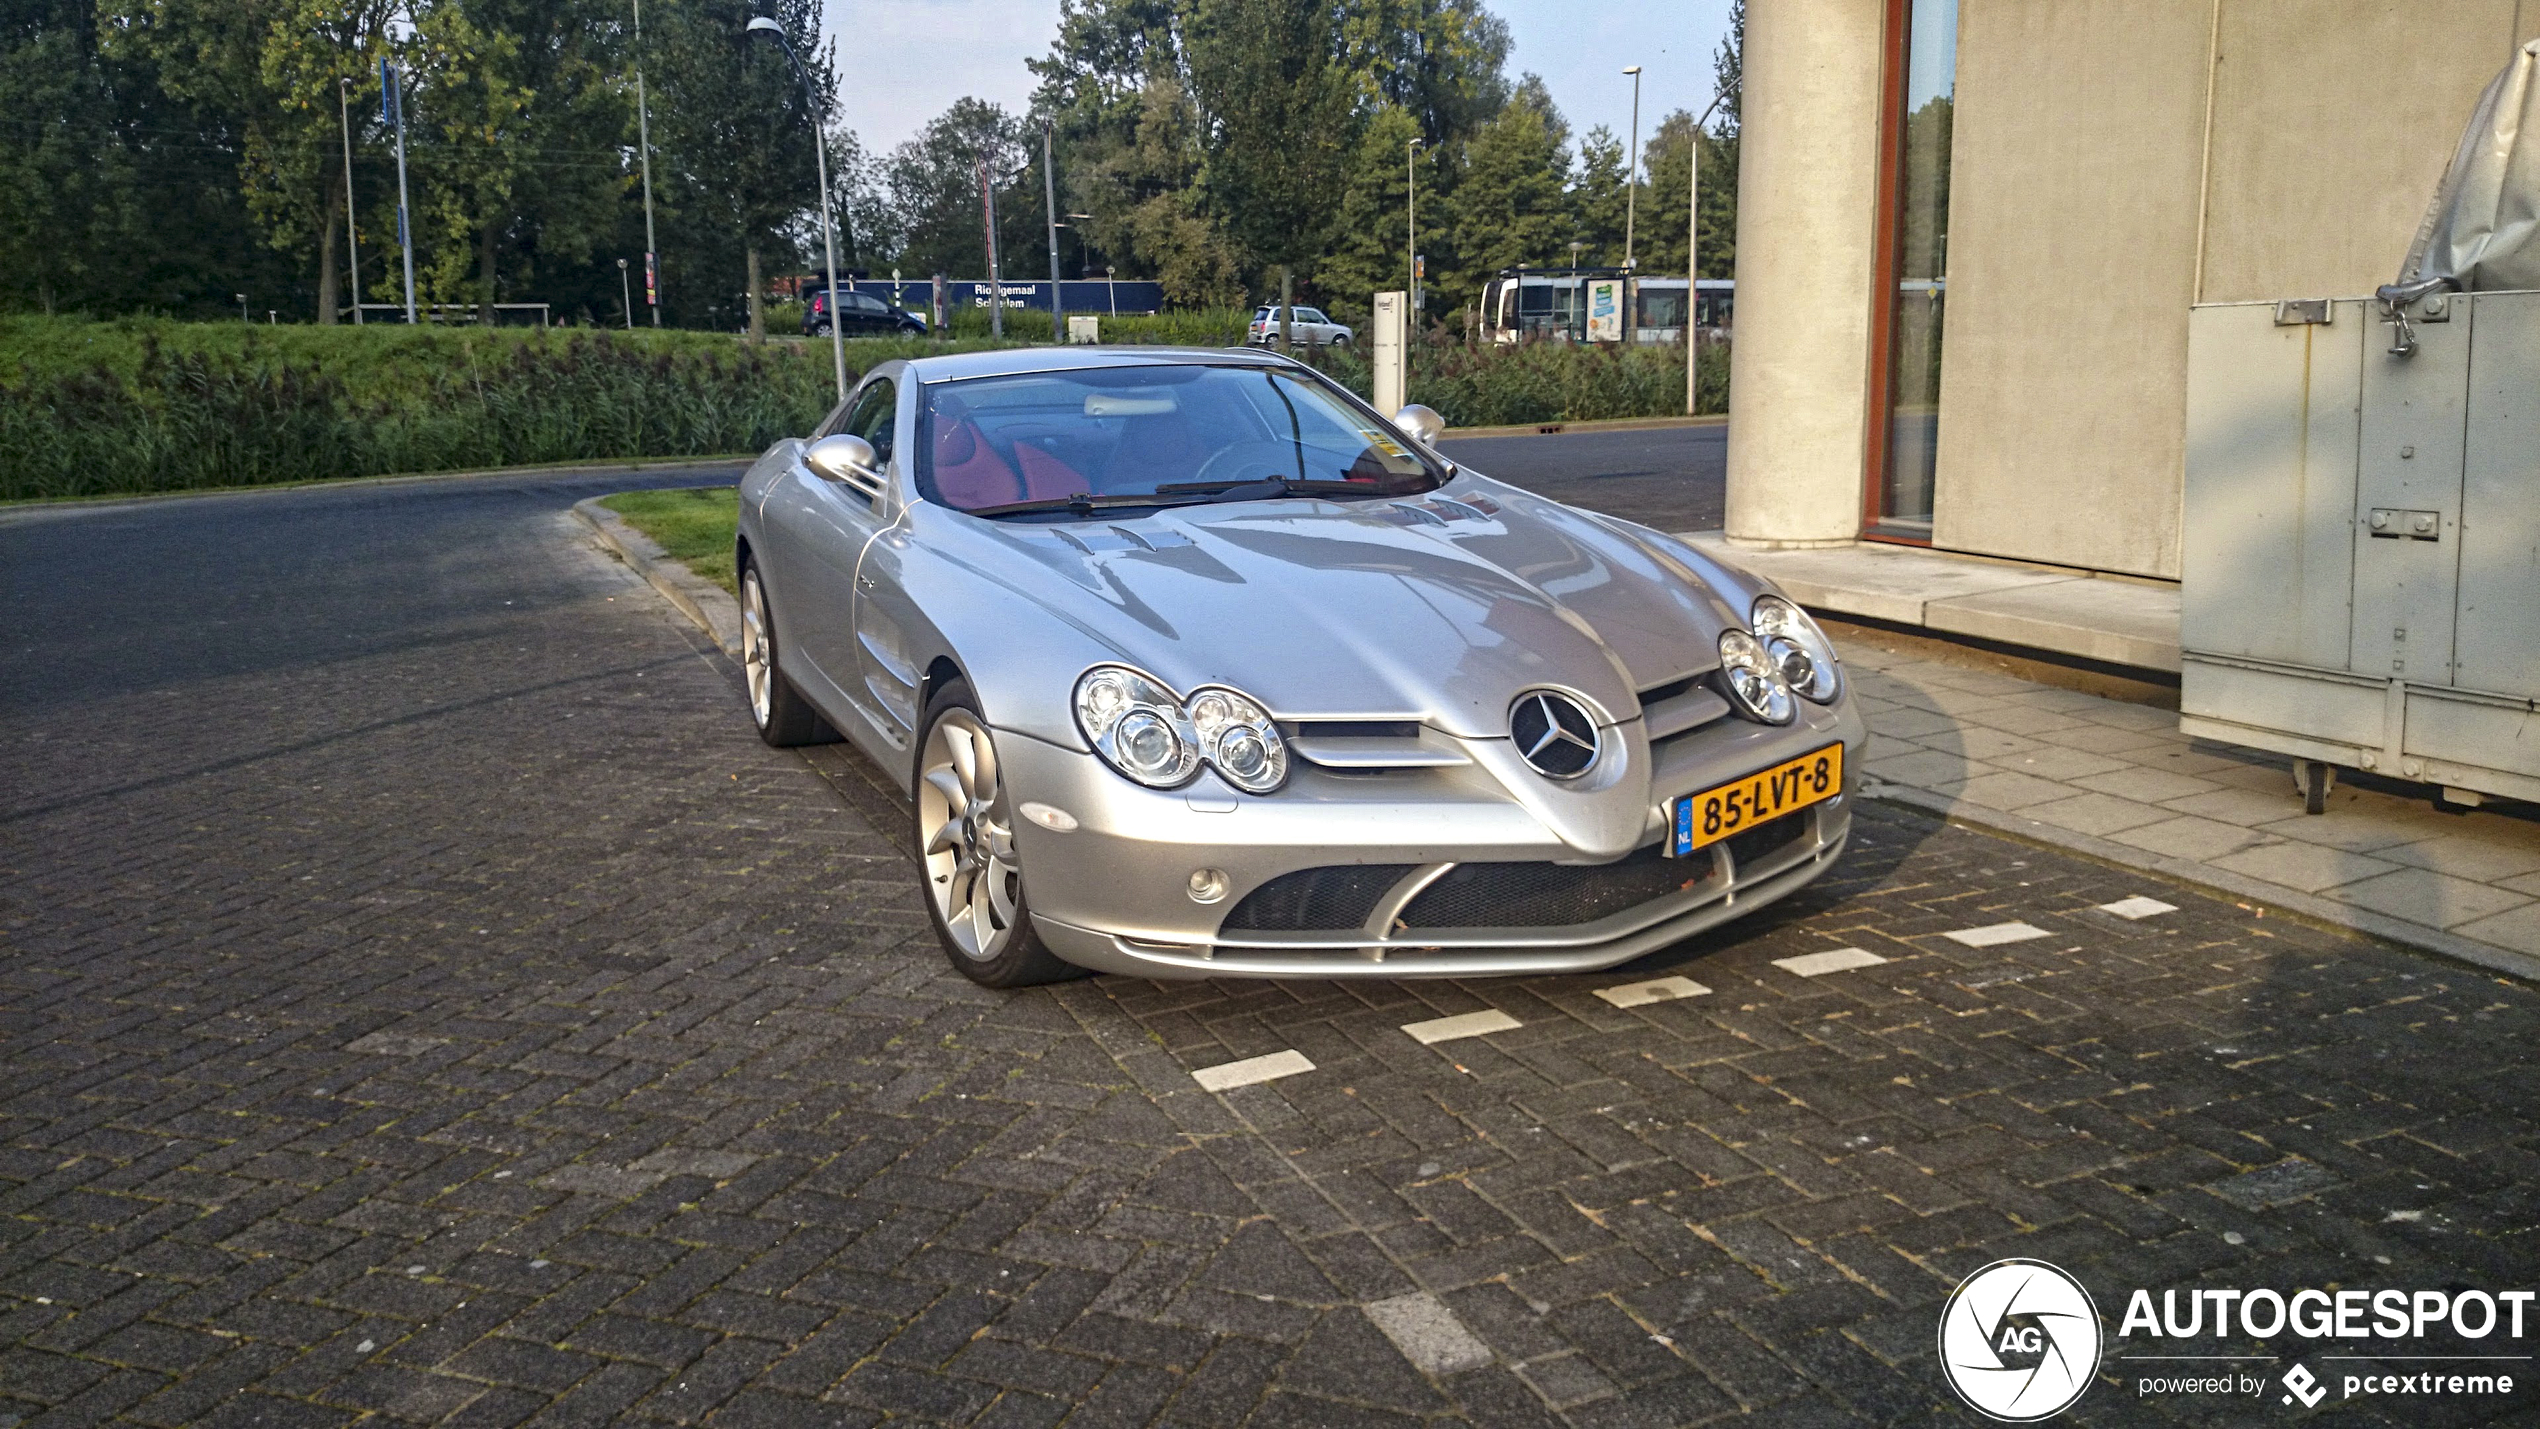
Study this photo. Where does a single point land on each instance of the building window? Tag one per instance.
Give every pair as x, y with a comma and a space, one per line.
1923, 81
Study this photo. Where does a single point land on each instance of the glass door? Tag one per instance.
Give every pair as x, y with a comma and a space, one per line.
1915, 297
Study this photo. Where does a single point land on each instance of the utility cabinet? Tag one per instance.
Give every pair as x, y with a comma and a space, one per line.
2361, 582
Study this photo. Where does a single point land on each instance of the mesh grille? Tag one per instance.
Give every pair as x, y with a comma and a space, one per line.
1549, 895
1764, 840
1317, 899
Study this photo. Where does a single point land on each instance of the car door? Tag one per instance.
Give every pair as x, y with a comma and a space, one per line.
820, 527
885, 616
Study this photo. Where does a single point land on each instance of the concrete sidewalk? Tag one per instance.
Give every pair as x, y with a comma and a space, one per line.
2118, 782
2112, 619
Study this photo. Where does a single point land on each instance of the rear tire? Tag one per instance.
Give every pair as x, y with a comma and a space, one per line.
962, 825
784, 718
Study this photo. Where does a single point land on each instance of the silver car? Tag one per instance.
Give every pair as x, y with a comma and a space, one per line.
1194, 665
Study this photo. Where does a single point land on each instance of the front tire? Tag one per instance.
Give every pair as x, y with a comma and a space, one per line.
1340, 340
784, 718
963, 825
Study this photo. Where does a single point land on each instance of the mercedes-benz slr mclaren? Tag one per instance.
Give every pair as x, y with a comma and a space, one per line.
1194, 665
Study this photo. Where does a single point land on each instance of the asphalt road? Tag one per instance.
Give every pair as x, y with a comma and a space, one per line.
1672, 478
423, 1000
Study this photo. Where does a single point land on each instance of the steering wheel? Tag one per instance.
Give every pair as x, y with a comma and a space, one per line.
1250, 461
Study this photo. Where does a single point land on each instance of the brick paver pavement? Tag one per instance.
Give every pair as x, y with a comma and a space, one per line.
425, 1001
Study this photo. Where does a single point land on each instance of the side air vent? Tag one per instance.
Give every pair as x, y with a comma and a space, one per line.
1368, 745
1679, 705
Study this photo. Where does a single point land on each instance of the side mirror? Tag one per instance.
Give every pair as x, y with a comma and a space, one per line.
1421, 422
845, 458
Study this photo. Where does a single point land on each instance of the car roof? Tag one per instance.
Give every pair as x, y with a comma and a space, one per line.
1012, 360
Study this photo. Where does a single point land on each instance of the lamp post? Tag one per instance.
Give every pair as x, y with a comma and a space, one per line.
392, 105
1631, 196
625, 296
1049, 206
762, 25
1411, 221
1693, 246
644, 147
344, 111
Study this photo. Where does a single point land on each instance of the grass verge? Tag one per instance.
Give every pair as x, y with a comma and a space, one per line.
694, 525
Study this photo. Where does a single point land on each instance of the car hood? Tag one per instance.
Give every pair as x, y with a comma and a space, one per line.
1441, 608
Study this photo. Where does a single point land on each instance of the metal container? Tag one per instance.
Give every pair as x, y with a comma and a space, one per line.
2362, 559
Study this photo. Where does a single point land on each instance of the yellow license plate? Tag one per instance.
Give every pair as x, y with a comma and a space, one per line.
1716, 813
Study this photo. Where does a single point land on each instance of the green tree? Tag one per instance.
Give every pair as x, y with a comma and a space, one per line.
1278, 115
735, 135
1511, 205
1662, 203
1370, 223
1597, 199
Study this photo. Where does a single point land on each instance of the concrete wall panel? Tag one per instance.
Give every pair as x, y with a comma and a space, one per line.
2072, 248
2332, 121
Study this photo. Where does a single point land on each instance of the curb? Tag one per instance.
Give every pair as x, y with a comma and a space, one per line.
703, 602
2304, 907
1609, 424
61, 508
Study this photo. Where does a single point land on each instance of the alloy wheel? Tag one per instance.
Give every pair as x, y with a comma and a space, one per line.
756, 662
972, 871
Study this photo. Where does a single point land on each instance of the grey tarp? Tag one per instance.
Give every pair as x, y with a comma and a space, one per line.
2483, 231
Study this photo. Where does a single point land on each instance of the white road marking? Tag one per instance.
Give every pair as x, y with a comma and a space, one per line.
1657, 989
1469, 1024
1230, 1075
1832, 961
2138, 907
1428, 1334
1997, 933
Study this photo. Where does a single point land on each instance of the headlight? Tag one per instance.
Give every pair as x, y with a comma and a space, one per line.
1153, 736
1239, 741
1798, 648
1135, 725
1754, 681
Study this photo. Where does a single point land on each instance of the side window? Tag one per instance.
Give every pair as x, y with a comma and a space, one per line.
1311, 315
875, 417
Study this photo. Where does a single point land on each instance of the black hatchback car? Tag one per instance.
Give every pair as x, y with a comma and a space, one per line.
866, 315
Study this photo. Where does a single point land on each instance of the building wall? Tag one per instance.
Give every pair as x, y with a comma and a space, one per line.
2114, 161
2072, 250
2333, 120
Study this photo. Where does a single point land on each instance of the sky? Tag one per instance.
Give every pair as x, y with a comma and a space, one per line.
902, 62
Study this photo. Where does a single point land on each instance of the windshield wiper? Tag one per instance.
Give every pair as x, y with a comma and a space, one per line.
1080, 503
1264, 488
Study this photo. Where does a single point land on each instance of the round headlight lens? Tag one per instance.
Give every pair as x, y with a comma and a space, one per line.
1755, 682
1239, 740
1136, 726
1798, 648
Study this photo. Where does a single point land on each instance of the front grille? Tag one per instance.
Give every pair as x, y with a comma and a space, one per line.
1549, 895
1764, 840
1317, 899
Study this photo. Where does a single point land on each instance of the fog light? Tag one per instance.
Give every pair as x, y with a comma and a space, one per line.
1207, 884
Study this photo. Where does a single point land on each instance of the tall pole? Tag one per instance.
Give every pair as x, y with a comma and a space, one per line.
1411, 222
996, 282
1049, 199
344, 111
644, 146
1631, 196
820, 161
394, 102
1693, 249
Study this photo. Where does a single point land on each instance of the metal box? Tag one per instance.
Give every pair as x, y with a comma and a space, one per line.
2361, 581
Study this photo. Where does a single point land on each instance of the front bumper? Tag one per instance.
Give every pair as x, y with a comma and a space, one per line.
1112, 894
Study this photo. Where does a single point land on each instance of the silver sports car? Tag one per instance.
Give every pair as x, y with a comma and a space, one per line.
1194, 665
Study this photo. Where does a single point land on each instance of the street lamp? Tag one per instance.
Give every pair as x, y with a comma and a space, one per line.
352, 240
1693, 244
625, 296
761, 25
1631, 195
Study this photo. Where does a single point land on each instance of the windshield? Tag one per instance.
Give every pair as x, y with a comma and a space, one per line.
1178, 433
